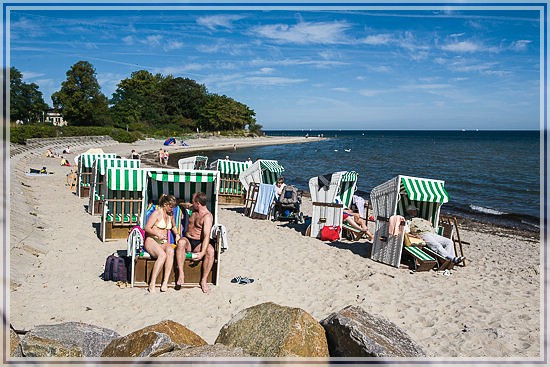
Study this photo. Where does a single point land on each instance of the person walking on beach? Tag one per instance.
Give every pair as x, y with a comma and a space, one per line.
421, 227
157, 228
165, 157
161, 156
197, 240
134, 154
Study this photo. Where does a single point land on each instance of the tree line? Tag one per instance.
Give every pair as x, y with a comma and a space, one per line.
142, 102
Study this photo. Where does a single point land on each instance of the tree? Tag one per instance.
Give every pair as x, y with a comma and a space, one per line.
224, 113
80, 98
137, 99
26, 101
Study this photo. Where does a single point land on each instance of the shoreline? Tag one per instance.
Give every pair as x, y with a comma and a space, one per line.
56, 262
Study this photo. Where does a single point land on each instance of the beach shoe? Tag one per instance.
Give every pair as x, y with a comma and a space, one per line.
242, 280
458, 260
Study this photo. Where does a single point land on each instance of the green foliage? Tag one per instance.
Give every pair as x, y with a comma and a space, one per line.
21, 133
26, 102
80, 98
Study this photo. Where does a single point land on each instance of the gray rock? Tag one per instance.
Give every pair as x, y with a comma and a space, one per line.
270, 330
206, 351
70, 339
153, 340
353, 332
15, 344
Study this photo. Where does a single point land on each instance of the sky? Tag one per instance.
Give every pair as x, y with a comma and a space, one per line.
393, 67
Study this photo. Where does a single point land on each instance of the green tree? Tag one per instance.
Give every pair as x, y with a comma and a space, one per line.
26, 101
137, 100
224, 113
80, 98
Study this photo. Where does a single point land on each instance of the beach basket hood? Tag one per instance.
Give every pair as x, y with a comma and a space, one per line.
261, 171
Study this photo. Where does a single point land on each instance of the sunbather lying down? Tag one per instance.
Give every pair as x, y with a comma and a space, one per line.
354, 220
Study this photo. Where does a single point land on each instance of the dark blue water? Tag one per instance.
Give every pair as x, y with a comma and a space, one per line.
491, 176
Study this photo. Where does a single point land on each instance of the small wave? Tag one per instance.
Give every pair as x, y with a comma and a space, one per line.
482, 209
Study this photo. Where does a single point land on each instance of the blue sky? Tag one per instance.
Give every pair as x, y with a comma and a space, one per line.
301, 68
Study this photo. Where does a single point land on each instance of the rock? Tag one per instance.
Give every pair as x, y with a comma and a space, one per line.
153, 340
70, 339
353, 332
15, 344
271, 330
206, 351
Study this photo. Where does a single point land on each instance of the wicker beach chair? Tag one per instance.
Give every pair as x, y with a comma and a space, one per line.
123, 193
183, 184
392, 198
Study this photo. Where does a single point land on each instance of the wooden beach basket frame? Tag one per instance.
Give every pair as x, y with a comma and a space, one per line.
231, 188
99, 169
85, 163
392, 198
182, 184
262, 171
123, 192
328, 204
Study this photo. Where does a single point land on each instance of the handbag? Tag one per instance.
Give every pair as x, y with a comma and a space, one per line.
330, 233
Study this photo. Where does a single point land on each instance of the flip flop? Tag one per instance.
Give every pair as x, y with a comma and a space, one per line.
242, 280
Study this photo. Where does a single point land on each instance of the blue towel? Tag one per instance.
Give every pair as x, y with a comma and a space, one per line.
266, 193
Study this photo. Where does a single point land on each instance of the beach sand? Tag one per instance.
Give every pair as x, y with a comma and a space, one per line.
490, 308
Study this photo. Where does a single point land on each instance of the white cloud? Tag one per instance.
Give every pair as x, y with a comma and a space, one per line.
520, 45
128, 40
153, 40
218, 21
341, 89
462, 47
271, 80
173, 45
379, 39
305, 32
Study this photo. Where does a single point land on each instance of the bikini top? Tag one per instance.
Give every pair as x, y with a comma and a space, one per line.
163, 225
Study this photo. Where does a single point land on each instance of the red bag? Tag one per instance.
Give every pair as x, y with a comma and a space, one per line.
330, 233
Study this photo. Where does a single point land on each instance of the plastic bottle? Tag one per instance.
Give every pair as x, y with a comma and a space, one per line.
191, 255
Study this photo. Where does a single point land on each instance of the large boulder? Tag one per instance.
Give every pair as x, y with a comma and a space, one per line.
153, 340
15, 344
353, 332
206, 351
271, 330
69, 339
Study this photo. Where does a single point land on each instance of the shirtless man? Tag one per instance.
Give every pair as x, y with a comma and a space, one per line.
197, 240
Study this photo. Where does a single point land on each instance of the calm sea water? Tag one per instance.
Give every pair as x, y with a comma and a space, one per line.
492, 176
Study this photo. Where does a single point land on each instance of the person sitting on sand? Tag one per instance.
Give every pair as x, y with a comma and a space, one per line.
354, 220
156, 240
67, 151
134, 154
197, 239
65, 162
422, 228
50, 154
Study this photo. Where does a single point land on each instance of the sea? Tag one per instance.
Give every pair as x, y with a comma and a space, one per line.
490, 176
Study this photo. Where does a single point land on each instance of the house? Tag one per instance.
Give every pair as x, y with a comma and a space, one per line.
54, 117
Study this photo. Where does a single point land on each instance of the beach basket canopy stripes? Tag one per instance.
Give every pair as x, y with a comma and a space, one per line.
104, 163
348, 185
193, 163
87, 160
183, 184
232, 167
125, 179
271, 171
422, 189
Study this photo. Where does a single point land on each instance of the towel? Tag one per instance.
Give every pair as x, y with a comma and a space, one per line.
219, 231
324, 181
395, 225
360, 204
266, 193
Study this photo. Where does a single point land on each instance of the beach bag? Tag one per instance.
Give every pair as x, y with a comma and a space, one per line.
330, 233
115, 269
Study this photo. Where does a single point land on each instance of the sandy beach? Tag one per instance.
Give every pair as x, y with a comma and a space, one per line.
490, 308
